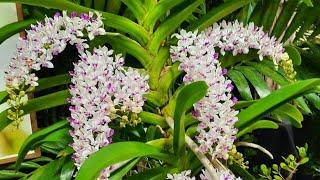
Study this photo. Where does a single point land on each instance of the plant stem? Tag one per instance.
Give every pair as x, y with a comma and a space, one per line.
194, 147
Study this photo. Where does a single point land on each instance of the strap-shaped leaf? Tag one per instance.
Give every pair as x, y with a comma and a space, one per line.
136, 8
114, 21
120, 173
269, 72
67, 169
118, 152
14, 28
290, 113
255, 79
261, 124
113, 6
49, 82
284, 17
49, 171
170, 25
159, 10
35, 137
274, 100
126, 45
10, 174
3, 96
99, 4
188, 96
241, 83
218, 13
270, 14
293, 54
314, 99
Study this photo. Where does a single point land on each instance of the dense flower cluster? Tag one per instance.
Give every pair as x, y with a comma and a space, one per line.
42, 42
239, 39
102, 90
200, 62
186, 175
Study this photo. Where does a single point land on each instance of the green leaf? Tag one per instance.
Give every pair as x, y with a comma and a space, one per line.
291, 113
127, 45
255, 79
151, 173
113, 6
260, 124
49, 171
244, 174
118, 152
9, 174
49, 82
170, 25
218, 13
111, 20
25, 165
188, 96
152, 118
14, 28
157, 11
3, 96
270, 72
274, 100
294, 55
241, 83
88, 3
35, 137
244, 104
99, 4
314, 99
284, 17
120, 173
136, 8
308, 2
270, 14
48, 101
67, 169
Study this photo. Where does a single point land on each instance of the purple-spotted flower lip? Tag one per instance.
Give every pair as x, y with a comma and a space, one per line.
73, 14
84, 16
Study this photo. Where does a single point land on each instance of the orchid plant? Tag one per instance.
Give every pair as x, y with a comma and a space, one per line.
166, 91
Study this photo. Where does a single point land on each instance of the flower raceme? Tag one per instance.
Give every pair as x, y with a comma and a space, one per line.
186, 175
102, 88
214, 112
46, 39
198, 54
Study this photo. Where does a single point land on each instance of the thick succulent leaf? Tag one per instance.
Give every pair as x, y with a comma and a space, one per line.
49, 82
269, 72
37, 136
260, 124
10, 174
157, 11
294, 55
3, 96
99, 4
255, 79
67, 169
241, 83
170, 25
290, 113
218, 13
114, 21
284, 17
136, 8
14, 28
151, 173
49, 171
120, 173
118, 152
187, 96
274, 100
